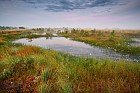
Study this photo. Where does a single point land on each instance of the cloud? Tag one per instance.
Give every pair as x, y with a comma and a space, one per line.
68, 5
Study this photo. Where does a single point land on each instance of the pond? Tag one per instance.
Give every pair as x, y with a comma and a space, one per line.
136, 42
66, 45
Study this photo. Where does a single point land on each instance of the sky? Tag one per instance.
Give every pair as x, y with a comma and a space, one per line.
100, 14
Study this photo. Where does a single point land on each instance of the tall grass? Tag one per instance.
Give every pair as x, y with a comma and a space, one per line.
62, 73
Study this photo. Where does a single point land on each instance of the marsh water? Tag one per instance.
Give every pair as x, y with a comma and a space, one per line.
136, 42
66, 45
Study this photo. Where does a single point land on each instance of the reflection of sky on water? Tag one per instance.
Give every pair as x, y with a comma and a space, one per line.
136, 42
55, 41
39, 33
74, 47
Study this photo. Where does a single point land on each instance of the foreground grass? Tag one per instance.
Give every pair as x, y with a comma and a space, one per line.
45, 71
30, 69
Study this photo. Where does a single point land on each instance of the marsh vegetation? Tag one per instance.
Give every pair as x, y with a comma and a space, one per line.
31, 69
118, 41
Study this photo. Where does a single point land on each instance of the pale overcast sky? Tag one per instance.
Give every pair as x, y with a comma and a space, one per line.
123, 14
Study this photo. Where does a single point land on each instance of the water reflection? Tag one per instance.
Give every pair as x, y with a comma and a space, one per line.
136, 42
67, 45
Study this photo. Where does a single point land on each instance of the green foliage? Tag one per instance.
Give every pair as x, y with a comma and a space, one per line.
112, 36
82, 32
43, 88
46, 75
5, 74
67, 88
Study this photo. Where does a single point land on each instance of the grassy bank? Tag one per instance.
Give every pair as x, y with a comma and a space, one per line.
31, 69
39, 70
118, 41
11, 35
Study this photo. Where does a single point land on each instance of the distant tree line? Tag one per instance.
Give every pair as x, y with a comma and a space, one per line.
9, 27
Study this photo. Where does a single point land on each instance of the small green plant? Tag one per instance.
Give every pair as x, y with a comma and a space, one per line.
112, 36
42, 88
100, 34
46, 75
5, 74
67, 88
93, 31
